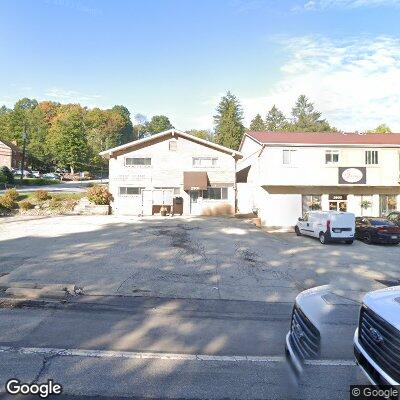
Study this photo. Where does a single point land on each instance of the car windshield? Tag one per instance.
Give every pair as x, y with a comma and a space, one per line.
380, 222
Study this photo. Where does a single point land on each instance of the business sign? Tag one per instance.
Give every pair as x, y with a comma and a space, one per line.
338, 197
352, 175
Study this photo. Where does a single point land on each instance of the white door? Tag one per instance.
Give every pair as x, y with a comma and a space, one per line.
147, 202
195, 205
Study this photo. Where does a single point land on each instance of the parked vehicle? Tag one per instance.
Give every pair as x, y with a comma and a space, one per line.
51, 175
394, 217
328, 226
322, 327
36, 174
377, 338
377, 230
17, 172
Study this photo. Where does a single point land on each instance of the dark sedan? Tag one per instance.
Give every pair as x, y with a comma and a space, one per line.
377, 230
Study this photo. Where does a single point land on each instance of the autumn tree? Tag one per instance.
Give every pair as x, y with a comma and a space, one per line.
229, 128
202, 134
158, 123
382, 128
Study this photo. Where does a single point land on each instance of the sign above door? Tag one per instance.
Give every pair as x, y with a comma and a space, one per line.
352, 175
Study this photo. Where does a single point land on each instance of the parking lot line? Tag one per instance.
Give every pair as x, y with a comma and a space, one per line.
48, 351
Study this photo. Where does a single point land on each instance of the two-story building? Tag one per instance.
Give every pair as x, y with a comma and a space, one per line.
284, 174
174, 170
10, 155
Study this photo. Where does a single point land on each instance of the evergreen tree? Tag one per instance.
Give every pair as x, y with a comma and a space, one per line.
229, 128
257, 124
275, 120
306, 118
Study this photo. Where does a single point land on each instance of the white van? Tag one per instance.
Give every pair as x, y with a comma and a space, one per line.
328, 226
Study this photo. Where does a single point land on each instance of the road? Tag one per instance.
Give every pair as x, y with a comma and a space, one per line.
163, 349
69, 186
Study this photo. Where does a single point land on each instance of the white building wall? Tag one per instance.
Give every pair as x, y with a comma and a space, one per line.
166, 171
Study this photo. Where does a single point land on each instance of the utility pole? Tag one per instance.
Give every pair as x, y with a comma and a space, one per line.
24, 137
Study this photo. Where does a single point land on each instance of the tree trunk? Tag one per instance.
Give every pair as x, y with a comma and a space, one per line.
72, 169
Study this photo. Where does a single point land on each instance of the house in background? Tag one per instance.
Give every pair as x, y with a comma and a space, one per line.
282, 175
10, 155
175, 170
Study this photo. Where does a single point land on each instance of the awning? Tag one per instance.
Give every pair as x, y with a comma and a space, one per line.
195, 180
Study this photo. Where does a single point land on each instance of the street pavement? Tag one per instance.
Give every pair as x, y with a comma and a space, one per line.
152, 348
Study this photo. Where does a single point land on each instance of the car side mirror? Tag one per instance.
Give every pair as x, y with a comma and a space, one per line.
301, 219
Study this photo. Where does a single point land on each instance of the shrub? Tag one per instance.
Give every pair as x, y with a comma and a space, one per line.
4, 170
7, 202
99, 195
54, 203
25, 205
12, 194
41, 195
3, 178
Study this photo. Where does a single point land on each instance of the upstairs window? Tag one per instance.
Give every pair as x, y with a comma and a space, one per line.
130, 161
331, 156
129, 190
173, 145
371, 157
288, 157
204, 162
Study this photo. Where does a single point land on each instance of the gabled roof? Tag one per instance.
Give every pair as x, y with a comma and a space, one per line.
148, 140
12, 146
325, 138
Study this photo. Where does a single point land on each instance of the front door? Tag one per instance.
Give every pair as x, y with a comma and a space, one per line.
147, 202
194, 202
338, 202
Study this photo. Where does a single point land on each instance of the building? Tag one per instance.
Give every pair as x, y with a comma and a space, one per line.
10, 155
284, 174
173, 169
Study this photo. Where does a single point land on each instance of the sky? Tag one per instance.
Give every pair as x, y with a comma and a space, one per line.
179, 57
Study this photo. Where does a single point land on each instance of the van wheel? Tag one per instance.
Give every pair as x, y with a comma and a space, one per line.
297, 230
322, 238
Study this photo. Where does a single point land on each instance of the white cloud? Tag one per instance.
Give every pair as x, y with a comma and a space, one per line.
354, 83
72, 96
326, 4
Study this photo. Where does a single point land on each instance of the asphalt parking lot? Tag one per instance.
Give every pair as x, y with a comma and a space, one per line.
199, 258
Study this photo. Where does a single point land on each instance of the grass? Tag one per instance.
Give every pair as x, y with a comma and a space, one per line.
58, 196
35, 182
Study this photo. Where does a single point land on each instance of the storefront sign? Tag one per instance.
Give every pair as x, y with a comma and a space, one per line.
352, 175
338, 197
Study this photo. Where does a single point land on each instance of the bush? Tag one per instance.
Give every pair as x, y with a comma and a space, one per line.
3, 178
7, 202
99, 195
41, 195
12, 194
4, 170
38, 181
25, 205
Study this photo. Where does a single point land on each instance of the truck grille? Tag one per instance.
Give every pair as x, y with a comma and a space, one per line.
304, 336
381, 340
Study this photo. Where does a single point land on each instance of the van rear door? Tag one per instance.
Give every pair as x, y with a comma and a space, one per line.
342, 225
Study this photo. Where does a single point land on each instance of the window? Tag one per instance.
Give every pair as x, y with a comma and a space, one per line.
205, 161
331, 156
387, 203
173, 145
176, 190
128, 190
129, 161
288, 156
311, 202
215, 193
371, 157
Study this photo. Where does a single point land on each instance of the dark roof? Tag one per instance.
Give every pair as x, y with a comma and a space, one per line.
326, 138
12, 146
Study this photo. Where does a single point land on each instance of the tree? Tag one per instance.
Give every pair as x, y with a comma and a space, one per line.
229, 128
202, 134
67, 137
306, 118
126, 132
158, 123
257, 123
382, 128
275, 120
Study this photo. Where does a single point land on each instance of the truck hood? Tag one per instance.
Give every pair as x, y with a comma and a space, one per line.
385, 303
